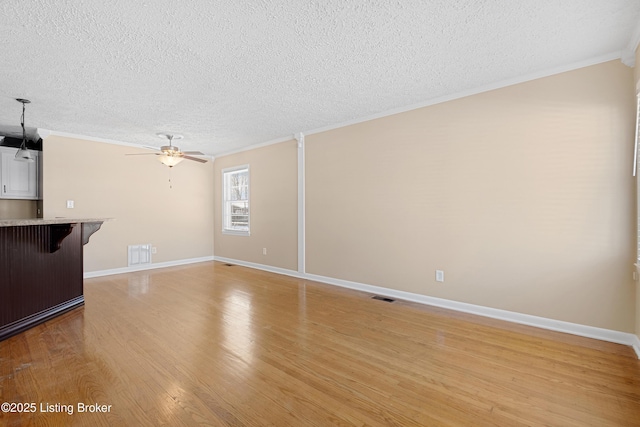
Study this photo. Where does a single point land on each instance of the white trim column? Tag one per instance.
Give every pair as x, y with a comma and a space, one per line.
301, 204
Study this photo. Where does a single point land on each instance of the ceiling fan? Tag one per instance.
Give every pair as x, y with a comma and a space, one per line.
170, 155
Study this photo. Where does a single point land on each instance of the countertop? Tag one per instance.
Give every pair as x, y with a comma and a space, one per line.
48, 221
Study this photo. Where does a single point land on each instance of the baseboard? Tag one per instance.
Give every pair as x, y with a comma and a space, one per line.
494, 313
636, 345
100, 273
41, 317
269, 268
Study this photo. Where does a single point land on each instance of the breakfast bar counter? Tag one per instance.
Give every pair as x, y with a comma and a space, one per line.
41, 272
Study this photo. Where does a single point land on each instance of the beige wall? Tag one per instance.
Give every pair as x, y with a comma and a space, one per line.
273, 190
135, 190
522, 195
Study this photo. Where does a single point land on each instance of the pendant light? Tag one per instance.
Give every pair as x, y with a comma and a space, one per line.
23, 155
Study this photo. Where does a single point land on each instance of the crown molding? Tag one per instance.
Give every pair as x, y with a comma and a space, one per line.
481, 89
88, 138
258, 145
628, 56
44, 133
485, 88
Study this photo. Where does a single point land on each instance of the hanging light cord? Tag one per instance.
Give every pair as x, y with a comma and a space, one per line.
24, 132
23, 155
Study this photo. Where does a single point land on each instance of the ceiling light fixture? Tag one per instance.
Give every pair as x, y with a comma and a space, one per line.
172, 155
23, 155
170, 160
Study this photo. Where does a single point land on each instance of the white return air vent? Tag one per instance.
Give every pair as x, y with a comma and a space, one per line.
139, 254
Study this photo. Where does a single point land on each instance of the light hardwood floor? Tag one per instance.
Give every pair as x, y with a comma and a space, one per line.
209, 344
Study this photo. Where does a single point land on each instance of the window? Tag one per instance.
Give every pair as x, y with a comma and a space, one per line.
235, 203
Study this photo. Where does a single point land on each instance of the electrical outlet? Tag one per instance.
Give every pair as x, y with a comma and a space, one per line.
439, 276
154, 250
70, 204
264, 251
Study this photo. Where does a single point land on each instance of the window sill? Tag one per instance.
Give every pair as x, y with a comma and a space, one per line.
236, 232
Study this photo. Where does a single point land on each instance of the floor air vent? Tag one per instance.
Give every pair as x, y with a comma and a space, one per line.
385, 299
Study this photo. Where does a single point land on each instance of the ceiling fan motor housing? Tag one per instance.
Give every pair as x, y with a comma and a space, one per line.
170, 149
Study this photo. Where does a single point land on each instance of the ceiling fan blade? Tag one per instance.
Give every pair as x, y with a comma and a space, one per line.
195, 158
143, 154
197, 153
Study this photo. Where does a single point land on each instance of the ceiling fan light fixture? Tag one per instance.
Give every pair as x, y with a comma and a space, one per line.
169, 160
169, 150
170, 155
23, 155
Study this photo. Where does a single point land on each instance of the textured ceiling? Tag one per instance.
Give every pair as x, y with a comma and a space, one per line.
228, 74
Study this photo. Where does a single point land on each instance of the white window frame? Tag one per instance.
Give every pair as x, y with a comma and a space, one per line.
636, 160
226, 227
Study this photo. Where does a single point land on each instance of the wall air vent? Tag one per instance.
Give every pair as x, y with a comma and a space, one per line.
139, 254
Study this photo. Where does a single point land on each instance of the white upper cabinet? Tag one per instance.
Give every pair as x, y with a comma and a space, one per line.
18, 180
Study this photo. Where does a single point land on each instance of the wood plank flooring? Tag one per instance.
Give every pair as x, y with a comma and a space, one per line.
214, 345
